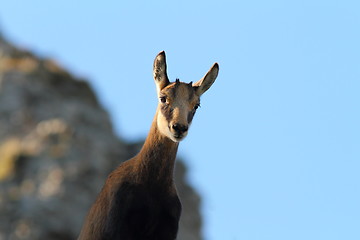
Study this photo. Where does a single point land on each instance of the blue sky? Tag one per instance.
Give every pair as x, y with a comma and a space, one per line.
275, 148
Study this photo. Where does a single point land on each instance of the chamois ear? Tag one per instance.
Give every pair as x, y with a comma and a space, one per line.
159, 71
205, 83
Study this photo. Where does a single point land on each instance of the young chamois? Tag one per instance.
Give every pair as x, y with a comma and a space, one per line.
139, 199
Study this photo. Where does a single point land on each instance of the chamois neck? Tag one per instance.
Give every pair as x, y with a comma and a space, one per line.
156, 158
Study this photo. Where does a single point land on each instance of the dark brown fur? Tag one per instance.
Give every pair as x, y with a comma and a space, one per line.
139, 199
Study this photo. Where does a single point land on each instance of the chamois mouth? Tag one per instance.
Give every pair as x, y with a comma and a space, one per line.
179, 136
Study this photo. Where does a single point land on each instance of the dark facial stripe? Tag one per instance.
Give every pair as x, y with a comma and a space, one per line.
173, 92
191, 91
190, 116
167, 111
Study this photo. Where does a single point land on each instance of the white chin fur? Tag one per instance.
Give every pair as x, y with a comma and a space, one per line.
171, 135
173, 138
164, 129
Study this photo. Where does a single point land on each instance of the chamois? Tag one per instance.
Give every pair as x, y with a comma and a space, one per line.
139, 199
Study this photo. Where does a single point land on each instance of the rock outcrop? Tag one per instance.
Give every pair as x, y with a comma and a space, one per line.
57, 147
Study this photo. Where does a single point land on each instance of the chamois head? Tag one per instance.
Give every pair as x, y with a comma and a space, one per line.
178, 101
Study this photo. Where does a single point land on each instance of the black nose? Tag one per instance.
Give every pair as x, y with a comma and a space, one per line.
180, 128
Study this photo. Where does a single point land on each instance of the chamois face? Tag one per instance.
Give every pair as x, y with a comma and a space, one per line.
178, 101
177, 105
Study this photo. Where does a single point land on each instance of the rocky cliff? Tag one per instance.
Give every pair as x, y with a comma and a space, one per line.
57, 146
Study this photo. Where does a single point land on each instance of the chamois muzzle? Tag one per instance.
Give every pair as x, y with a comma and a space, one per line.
179, 129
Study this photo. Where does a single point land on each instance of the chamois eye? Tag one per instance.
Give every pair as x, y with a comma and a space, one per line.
163, 99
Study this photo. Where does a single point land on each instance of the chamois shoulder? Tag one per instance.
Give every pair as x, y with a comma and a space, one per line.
124, 172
